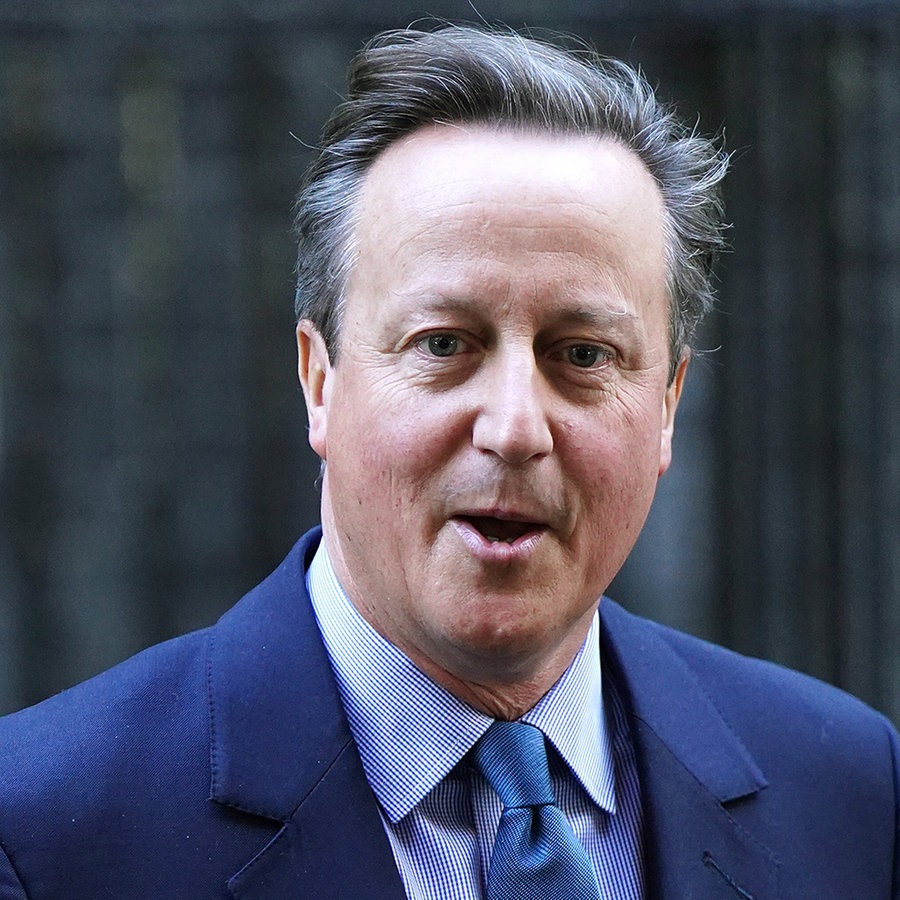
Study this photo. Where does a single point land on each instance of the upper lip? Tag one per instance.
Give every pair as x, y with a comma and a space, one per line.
507, 515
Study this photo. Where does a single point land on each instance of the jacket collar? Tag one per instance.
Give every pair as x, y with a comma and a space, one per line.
280, 748
694, 771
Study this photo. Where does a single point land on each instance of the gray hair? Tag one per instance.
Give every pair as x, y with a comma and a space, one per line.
404, 80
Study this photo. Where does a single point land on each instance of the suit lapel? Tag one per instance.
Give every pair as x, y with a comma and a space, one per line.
280, 748
334, 847
693, 846
695, 773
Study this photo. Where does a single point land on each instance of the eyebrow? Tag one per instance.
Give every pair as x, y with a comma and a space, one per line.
574, 314
592, 315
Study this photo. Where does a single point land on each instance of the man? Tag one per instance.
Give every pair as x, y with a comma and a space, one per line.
504, 252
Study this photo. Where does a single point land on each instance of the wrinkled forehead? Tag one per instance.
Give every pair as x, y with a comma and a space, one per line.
461, 184
430, 172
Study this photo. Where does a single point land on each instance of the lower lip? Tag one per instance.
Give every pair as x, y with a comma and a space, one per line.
497, 551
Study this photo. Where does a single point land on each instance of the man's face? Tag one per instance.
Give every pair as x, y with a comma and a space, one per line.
498, 414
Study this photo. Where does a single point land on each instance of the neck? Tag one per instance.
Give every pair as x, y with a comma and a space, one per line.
506, 700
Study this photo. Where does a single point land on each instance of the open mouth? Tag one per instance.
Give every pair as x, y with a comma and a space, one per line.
496, 530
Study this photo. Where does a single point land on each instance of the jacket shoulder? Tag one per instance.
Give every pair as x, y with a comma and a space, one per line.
760, 692
157, 684
136, 733
744, 687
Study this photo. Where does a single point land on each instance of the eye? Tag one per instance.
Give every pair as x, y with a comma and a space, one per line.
586, 356
442, 344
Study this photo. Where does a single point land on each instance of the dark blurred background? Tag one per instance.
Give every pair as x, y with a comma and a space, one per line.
153, 463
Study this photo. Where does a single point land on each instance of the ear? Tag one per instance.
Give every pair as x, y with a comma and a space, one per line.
314, 369
670, 404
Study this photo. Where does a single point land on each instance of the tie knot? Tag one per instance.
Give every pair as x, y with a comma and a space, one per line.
513, 758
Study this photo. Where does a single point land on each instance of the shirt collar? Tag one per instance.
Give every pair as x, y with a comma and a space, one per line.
411, 732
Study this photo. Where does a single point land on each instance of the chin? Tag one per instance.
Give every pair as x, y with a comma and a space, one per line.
508, 648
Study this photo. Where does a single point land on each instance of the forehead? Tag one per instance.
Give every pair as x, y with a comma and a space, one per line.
439, 164
504, 207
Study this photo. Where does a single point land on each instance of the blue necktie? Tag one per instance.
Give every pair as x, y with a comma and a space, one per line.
536, 854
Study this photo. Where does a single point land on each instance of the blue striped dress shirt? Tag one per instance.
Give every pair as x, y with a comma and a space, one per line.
440, 815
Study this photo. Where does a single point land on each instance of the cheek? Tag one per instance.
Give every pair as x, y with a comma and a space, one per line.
387, 465
613, 467
412, 434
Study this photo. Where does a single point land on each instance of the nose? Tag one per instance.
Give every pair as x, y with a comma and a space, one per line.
513, 417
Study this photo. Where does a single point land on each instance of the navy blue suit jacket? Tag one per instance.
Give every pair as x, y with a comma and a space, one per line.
220, 765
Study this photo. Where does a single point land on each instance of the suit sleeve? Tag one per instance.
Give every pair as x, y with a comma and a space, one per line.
10, 886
